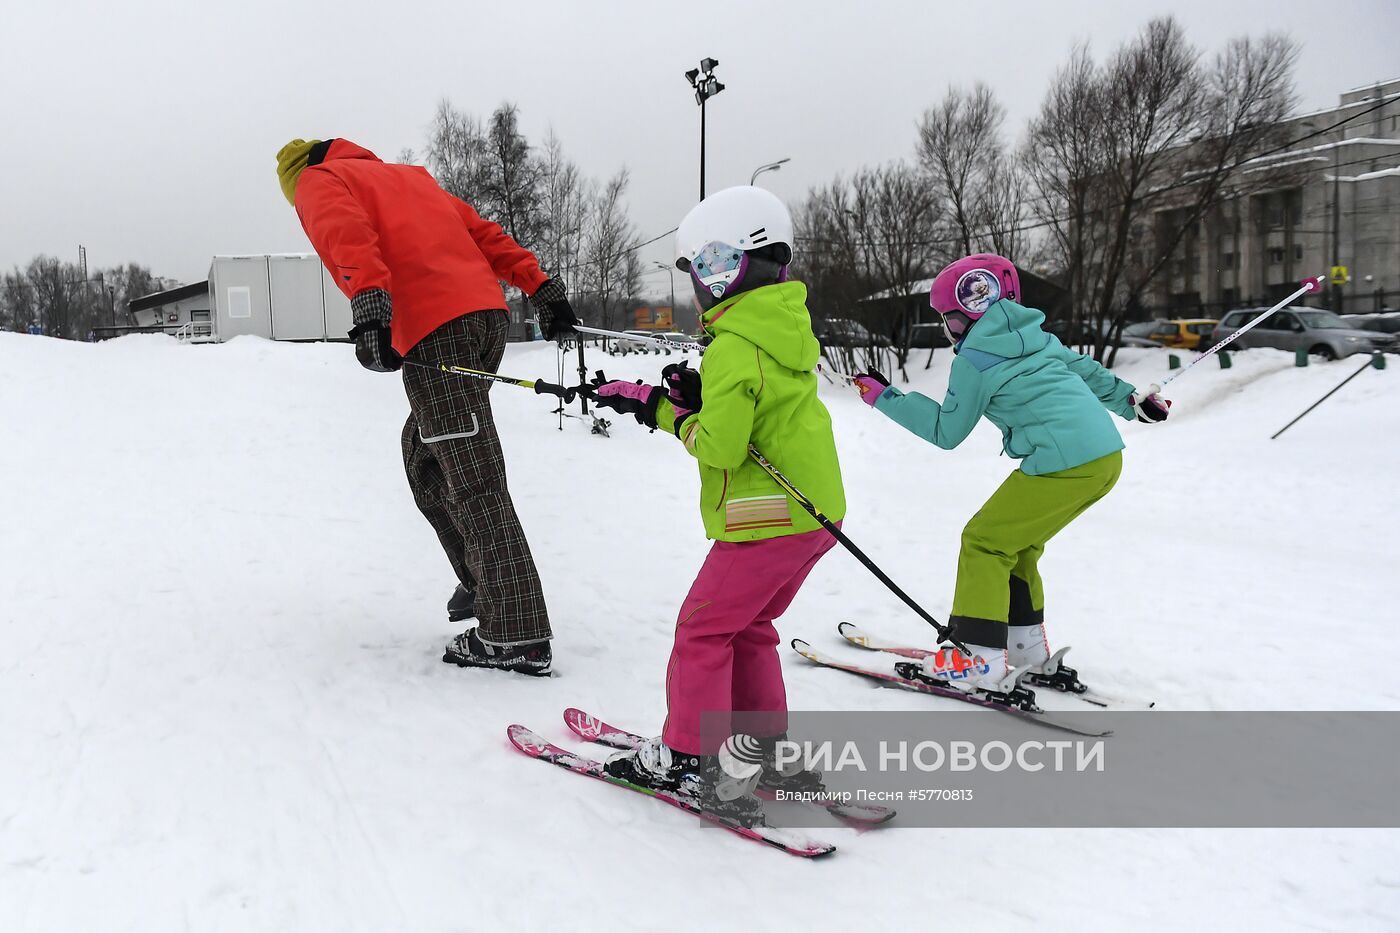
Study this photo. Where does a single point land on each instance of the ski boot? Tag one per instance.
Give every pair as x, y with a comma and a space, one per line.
699, 778
468, 650
653, 764
986, 673
789, 777
462, 604
1027, 646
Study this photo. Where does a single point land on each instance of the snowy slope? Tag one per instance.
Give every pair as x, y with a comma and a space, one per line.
222, 705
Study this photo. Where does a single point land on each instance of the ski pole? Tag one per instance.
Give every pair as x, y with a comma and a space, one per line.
1369, 363
541, 387
647, 338
835, 375
1309, 285
839, 535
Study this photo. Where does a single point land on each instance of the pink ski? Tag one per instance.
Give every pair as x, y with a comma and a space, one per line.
859, 637
596, 730
1034, 714
789, 841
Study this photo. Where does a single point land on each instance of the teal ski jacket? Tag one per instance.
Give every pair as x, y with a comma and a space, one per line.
1048, 401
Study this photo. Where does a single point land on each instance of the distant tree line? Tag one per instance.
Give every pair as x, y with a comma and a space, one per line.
55, 297
1125, 156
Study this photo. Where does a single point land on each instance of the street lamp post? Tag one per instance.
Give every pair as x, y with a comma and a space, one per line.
671, 274
767, 167
706, 85
1337, 223
1336, 212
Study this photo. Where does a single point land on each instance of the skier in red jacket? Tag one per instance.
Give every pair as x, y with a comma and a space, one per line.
422, 270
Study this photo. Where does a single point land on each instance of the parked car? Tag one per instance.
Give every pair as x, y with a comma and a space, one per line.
928, 335
1083, 335
1322, 333
844, 332
1383, 322
1142, 328
678, 337
624, 347
1184, 333
1136, 335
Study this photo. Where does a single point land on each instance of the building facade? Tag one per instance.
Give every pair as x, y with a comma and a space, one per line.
1336, 202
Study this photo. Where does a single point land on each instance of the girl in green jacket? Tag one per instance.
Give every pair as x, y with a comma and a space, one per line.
756, 386
1052, 407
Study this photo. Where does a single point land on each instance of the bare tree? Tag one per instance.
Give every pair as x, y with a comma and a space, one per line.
1115, 145
610, 272
128, 282
864, 244
55, 295
578, 229
457, 152
18, 307
958, 142
510, 193
563, 210
1002, 207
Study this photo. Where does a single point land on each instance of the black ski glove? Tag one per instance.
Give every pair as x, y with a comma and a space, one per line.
371, 310
683, 389
552, 309
1151, 408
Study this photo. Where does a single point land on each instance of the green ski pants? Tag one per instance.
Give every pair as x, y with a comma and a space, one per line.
998, 578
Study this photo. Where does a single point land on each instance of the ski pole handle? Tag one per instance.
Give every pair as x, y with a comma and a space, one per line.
567, 393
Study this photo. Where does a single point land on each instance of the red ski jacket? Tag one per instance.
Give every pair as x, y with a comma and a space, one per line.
385, 226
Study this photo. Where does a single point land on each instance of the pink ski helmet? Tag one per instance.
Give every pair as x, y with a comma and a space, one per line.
973, 284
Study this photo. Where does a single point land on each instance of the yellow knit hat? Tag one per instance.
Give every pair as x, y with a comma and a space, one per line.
291, 159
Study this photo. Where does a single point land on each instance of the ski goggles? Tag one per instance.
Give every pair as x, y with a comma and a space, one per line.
718, 266
955, 323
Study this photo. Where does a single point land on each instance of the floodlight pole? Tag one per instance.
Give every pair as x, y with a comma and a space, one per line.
702, 146
706, 85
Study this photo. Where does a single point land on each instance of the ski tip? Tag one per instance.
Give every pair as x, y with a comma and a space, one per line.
527, 741
584, 724
853, 634
800, 646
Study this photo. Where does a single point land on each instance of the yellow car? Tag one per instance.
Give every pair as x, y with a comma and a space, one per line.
1185, 334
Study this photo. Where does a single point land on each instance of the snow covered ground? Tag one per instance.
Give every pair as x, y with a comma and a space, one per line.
222, 705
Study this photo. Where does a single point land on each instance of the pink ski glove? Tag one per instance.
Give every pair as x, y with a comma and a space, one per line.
871, 386
627, 398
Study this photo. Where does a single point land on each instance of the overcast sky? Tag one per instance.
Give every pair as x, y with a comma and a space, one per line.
146, 131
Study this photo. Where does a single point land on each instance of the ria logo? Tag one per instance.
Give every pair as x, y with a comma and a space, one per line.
741, 757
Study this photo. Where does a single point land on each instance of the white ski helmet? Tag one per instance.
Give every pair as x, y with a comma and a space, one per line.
715, 234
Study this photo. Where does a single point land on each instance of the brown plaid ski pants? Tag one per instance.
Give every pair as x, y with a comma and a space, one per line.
458, 476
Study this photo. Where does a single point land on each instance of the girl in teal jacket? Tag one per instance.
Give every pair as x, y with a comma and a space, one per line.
1052, 406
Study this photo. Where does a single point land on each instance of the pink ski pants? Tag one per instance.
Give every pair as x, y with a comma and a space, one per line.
725, 656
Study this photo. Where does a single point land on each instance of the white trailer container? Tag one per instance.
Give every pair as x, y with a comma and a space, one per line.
277, 296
